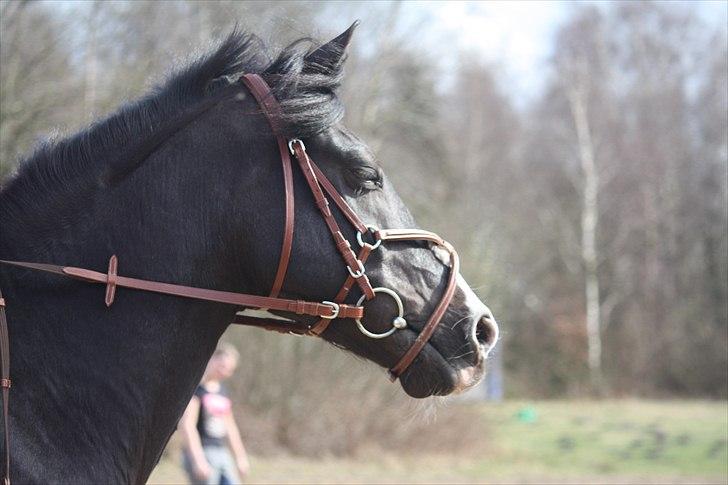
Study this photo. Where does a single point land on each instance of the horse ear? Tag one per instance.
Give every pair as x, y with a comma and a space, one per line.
331, 54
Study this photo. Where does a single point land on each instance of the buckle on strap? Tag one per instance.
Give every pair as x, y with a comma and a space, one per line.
6, 383
359, 273
334, 308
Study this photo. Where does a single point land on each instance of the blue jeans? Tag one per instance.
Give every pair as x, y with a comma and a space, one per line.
224, 471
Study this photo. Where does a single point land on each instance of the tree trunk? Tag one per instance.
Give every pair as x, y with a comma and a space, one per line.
589, 224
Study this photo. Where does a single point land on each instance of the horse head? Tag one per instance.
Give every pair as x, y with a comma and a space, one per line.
410, 276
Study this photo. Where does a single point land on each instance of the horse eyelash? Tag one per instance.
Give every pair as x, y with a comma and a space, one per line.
368, 178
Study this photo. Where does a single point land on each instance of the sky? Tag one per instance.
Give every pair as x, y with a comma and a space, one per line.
513, 36
517, 36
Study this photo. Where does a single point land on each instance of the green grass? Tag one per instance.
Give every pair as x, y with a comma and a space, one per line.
565, 441
642, 439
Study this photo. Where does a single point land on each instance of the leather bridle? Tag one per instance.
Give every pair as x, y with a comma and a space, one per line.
323, 191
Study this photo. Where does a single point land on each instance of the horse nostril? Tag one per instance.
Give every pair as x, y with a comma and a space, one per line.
486, 331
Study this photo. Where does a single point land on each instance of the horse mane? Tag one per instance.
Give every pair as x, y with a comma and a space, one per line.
124, 139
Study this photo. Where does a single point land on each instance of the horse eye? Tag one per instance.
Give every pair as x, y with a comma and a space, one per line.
365, 178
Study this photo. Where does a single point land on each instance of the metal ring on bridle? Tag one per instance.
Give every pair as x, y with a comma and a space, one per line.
361, 242
359, 273
398, 323
290, 145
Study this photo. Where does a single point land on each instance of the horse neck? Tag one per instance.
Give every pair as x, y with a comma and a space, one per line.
104, 387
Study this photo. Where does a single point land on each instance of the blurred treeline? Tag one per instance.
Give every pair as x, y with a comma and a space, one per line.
591, 218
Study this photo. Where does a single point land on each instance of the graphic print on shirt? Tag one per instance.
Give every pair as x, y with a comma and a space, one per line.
214, 409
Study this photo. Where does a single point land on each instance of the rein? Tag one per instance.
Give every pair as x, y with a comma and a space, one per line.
327, 311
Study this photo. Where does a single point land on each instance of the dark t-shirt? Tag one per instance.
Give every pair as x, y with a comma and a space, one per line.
214, 409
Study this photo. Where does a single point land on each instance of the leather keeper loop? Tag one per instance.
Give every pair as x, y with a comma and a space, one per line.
323, 205
349, 255
111, 278
300, 307
342, 243
6, 383
366, 287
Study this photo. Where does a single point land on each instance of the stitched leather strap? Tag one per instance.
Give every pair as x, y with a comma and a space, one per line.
338, 199
299, 307
111, 279
5, 383
320, 327
297, 328
262, 94
342, 244
281, 326
429, 329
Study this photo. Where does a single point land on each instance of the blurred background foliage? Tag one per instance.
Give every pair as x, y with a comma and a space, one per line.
592, 217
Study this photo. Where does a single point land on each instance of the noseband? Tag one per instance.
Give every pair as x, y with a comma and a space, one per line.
326, 311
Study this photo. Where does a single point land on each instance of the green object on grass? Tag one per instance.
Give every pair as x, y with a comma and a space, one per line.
527, 415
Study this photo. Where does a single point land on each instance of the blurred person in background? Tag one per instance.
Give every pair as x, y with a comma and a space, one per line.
213, 452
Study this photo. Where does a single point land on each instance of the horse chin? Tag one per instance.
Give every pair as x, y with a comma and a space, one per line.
430, 375
433, 375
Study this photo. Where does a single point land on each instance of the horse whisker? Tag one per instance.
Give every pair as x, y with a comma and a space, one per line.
449, 359
459, 322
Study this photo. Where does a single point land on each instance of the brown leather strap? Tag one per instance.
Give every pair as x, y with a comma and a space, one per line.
344, 247
339, 200
282, 326
111, 278
5, 383
299, 307
271, 108
320, 327
265, 98
414, 235
429, 329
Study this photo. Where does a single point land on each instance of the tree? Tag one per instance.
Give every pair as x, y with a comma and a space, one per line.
39, 90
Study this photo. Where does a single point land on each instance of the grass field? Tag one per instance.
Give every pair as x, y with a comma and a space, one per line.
548, 441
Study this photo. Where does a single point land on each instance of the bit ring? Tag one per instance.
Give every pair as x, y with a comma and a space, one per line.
397, 324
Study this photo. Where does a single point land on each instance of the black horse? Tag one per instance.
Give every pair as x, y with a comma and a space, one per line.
185, 186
